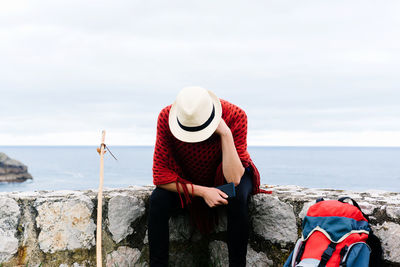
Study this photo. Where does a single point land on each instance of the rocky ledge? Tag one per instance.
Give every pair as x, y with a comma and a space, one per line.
58, 228
12, 170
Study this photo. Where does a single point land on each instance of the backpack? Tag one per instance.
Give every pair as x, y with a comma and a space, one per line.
335, 233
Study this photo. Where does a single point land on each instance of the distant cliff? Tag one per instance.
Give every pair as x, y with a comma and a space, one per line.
12, 170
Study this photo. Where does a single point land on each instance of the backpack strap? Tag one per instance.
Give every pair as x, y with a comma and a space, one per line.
300, 253
327, 254
342, 199
376, 257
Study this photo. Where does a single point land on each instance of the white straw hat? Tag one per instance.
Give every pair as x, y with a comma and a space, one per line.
195, 114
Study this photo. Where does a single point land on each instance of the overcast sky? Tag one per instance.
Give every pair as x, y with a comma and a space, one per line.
306, 72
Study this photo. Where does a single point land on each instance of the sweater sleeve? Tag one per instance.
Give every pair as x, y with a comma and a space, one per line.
238, 127
236, 120
165, 168
239, 133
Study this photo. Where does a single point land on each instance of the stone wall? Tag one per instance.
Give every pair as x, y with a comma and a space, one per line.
58, 228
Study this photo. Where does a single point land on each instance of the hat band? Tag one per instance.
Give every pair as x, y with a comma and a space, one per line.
200, 127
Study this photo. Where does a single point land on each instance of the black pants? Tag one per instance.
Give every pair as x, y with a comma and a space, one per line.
162, 202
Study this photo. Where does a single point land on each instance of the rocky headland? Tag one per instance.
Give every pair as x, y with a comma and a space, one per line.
12, 170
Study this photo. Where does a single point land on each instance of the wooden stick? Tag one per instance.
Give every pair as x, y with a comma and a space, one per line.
100, 203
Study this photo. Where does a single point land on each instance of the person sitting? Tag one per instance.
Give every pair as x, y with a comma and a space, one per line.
201, 143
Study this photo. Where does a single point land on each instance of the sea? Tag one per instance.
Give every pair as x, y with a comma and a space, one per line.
77, 167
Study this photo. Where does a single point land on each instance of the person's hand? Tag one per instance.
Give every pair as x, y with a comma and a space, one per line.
222, 128
214, 197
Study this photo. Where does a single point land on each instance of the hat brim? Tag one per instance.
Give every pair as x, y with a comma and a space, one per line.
198, 136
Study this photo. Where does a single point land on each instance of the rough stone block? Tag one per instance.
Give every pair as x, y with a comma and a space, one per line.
273, 219
393, 212
75, 264
367, 208
9, 216
65, 224
305, 208
389, 234
180, 228
124, 256
122, 211
219, 256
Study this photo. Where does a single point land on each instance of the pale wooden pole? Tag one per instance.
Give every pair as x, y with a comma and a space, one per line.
100, 202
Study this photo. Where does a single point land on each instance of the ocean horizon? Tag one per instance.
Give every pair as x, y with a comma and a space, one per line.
77, 167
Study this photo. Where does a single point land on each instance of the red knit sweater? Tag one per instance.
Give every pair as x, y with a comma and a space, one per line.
200, 163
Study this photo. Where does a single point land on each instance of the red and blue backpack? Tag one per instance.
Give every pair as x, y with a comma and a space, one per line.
334, 234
